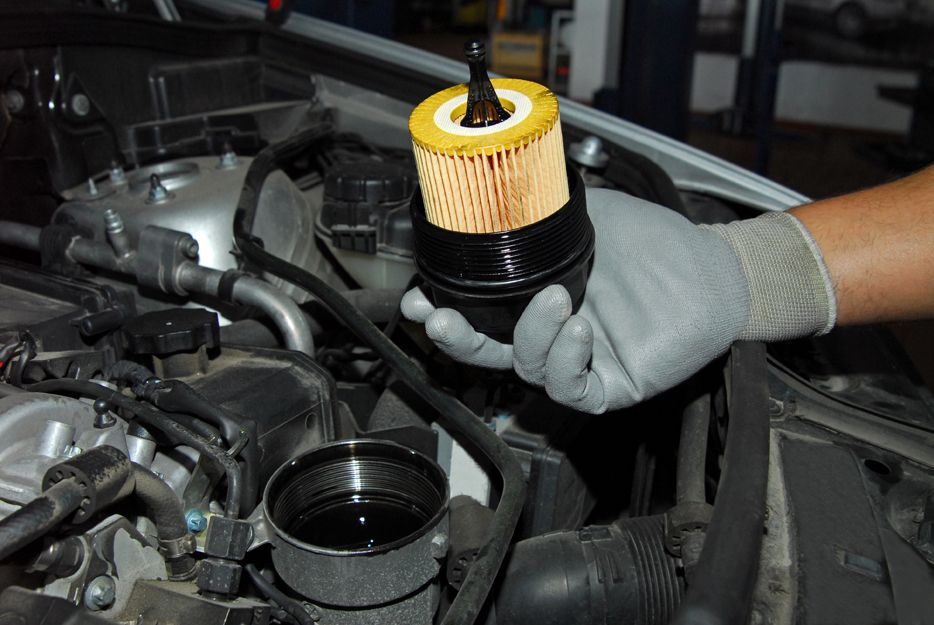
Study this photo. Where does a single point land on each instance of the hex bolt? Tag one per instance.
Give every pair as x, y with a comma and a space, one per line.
14, 100
100, 593
196, 521
80, 104
117, 175
71, 451
157, 192
190, 247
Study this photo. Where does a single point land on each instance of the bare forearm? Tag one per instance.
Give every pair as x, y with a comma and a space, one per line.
878, 245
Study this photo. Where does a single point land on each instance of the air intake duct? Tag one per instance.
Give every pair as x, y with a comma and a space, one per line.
597, 575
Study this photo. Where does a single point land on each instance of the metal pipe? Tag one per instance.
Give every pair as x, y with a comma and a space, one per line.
20, 235
100, 255
283, 311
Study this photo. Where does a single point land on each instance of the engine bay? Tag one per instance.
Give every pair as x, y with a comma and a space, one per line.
212, 411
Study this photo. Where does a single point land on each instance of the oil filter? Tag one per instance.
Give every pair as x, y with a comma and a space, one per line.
499, 216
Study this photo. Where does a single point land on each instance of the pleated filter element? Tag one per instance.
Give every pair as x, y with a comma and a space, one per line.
494, 178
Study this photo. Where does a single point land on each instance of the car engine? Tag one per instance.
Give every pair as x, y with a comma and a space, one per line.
211, 410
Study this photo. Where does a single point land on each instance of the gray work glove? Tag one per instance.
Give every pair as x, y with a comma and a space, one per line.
664, 298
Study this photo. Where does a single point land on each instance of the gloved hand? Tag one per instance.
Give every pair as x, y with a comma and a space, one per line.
664, 298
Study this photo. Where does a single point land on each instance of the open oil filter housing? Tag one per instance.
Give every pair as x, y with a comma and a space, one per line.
499, 216
360, 528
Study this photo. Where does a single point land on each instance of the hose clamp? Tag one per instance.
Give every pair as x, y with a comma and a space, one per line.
177, 547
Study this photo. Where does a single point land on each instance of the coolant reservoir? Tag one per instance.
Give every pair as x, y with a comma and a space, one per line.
365, 222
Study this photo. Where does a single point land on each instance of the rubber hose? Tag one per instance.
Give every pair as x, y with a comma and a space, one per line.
723, 580
165, 509
378, 305
199, 427
176, 432
268, 590
250, 332
162, 504
176, 396
692, 452
452, 413
38, 517
128, 371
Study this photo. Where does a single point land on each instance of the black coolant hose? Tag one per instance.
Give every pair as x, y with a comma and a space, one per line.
452, 414
38, 517
165, 509
722, 582
178, 397
268, 590
157, 419
690, 477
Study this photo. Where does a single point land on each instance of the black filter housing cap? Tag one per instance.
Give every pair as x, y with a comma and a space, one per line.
169, 331
491, 278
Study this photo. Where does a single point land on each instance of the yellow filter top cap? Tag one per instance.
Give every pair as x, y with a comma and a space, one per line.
434, 124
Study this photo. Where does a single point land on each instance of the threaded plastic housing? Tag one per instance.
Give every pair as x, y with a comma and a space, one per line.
490, 278
362, 496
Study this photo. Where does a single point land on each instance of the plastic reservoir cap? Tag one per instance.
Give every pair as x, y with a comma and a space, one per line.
173, 330
369, 182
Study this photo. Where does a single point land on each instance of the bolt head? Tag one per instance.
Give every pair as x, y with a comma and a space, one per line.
190, 248
100, 593
71, 451
196, 521
80, 104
